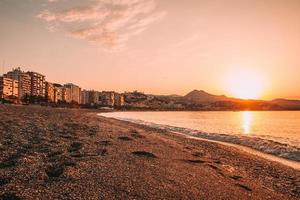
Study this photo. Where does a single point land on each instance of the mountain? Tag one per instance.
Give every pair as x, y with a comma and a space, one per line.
287, 104
201, 100
200, 96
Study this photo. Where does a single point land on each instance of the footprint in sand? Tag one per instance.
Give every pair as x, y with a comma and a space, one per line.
55, 171
236, 177
11, 161
194, 161
105, 142
244, 187
137, 135
217, 162
9, 196
75, 146
54, 153
102, 152
125, 138
144, 154
198, 154
218, 170
4, 181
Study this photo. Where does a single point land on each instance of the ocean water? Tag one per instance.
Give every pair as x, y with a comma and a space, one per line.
273, 132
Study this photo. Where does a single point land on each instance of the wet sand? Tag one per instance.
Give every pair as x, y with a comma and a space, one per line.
49, 153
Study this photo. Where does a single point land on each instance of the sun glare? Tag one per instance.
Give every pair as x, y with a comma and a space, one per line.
245, 84
247, 118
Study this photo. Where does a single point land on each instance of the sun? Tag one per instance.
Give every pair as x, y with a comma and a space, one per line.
244, 84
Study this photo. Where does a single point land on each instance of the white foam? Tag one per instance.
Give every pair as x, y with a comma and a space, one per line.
264, 145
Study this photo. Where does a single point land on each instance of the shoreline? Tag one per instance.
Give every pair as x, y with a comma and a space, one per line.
268, 148
287, 162
76, 154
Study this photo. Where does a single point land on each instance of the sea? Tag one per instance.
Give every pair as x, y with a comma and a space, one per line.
272, 132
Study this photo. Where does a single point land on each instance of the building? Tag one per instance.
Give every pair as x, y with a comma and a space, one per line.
93, 97
106, 99
119, 100
135, 97
84, 97
9, 89
49, 92
90, 97
66, 94
75, 92
58, 97
23, 79
37, 84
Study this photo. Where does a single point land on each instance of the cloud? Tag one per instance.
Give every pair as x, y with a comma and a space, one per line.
106, 23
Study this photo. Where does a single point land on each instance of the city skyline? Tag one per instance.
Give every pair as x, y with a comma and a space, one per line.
161, 53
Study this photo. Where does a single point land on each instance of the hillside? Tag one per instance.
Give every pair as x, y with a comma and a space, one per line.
287, 104
200, 96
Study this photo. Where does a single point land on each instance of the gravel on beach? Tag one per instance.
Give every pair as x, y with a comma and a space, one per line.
54, 153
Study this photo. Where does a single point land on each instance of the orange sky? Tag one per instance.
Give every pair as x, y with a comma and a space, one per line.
161, 47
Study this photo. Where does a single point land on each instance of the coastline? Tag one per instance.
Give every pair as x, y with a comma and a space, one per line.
271, 148
289, 163
75, 154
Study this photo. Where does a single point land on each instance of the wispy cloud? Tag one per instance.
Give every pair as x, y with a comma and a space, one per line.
106, 23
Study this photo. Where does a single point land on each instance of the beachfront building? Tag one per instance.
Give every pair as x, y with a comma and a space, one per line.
119, 100
84, 97
90, 97
9, 89
106, 98
66, 95
93, 97
58, 92
49, 92
37, 84
23, 79
75, 92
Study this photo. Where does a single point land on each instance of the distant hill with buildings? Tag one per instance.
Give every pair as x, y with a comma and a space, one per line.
17, 86
202, 100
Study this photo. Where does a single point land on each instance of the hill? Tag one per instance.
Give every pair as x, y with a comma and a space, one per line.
200, 96
287, 104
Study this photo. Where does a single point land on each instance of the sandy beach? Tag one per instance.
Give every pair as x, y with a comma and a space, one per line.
49, 153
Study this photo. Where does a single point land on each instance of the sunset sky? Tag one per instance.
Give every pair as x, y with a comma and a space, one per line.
157, 46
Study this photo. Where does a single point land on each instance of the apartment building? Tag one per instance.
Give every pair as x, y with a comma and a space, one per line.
93, 97
119, 100
23, 79
9, 88
89, 97
49, 92
107, 98
85, 97
37, 84
66, 94
75, 92
58, 92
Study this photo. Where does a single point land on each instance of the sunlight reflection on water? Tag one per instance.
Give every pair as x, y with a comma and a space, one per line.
279, 126
247, 119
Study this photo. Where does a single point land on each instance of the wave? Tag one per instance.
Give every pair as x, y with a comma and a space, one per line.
264, 145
